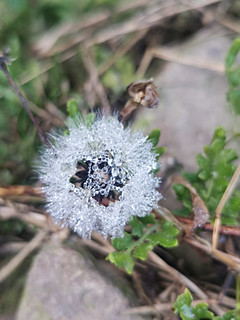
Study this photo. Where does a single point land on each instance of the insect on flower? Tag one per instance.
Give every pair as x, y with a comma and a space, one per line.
97, 177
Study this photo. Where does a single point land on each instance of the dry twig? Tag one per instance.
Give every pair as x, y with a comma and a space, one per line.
160, 263
95, 84
18, 259
22, 212
226, 195
174, 55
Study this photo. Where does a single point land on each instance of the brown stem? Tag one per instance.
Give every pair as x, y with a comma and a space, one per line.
24, 102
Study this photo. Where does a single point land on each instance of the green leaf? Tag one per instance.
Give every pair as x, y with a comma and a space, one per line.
219, 133
122, 243
137, 227
204, 175
162, 239
183, 299
229, 155
169, 229
229, 315
154, 136
73, 109
234, 77
232, 53
141, 251
159, 151
166, 237
183, 194
203, 162
122, 260
186, 313
201, 311
182, 306
148, 219
234, 99
216, 146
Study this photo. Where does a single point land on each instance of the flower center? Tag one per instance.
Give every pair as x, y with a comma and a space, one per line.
102, 176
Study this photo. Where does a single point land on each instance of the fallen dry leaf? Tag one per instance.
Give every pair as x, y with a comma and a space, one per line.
200, 210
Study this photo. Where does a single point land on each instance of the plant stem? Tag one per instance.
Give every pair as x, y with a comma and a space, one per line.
24, 103
141, 240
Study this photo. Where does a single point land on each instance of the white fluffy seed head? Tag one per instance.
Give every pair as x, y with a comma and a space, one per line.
97, 177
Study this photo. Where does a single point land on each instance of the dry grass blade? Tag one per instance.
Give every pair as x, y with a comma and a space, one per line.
153, 14
95, 84
19, 190
144, 21
181, 278
45, 44
167, 215
229, 260
159, 308
121, 51
226, 195
160, 263
149, 310
18, 259
22, 212
226, 230
174, 55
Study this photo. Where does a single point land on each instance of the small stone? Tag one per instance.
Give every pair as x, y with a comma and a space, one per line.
65, 285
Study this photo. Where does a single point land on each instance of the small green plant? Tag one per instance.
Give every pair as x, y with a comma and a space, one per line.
216, 168
183, 307
145, 234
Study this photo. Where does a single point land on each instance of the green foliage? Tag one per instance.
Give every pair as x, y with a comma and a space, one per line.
229, 315
122, 260
73, 109
150, 233
22, 27
183, 307
233, 76
154, 136
186, 311
75, 113
120, 75
122, 243
211, 180
90, 119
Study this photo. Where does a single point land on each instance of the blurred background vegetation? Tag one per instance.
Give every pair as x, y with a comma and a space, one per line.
47, 39
88, 50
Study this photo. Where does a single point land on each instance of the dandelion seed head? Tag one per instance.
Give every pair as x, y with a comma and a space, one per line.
97, 177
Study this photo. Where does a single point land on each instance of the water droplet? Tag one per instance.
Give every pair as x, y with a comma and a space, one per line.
110, 162
133, 206
94, 167
105, 170
94, 159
